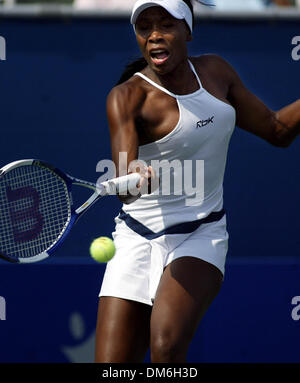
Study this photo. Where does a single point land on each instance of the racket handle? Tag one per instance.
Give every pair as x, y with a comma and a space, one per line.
122, 184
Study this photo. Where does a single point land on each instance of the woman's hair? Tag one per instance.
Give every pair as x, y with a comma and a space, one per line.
141, 63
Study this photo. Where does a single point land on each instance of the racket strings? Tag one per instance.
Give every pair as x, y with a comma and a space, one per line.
35, 211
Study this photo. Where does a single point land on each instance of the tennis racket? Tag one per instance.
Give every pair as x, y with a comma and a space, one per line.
37, 210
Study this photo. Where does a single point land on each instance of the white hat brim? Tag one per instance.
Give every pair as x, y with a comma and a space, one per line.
142, 5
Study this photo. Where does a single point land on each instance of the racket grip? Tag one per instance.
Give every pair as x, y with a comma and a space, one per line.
122, 184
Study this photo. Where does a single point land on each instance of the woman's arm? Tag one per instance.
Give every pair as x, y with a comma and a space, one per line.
123, 104
289, 120
278, 128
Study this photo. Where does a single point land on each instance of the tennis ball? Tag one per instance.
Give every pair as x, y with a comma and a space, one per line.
102, 249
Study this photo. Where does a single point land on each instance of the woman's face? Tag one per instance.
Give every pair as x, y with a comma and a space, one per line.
162, 39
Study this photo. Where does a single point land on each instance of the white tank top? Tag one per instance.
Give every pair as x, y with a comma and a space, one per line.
202, 133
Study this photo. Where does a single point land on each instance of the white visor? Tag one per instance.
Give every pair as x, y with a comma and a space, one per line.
177, 8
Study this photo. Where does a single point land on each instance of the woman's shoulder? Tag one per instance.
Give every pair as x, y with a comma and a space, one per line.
209, 58
212, 64
131, 91
126, 99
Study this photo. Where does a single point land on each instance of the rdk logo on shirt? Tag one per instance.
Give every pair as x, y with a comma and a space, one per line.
202, 123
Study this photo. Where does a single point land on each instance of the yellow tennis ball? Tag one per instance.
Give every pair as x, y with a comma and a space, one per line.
102, 249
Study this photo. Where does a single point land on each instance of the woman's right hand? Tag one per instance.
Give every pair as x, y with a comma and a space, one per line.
149, 181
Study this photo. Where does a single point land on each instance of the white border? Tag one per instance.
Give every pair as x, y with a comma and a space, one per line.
48, 10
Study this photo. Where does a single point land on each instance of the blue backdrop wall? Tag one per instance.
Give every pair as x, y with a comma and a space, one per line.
53, 88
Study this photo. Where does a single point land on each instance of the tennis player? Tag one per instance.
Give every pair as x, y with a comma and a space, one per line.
170, 258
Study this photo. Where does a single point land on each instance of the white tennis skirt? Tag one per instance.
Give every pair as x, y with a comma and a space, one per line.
134, 272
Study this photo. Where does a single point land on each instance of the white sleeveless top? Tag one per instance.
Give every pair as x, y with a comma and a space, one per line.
198, 144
